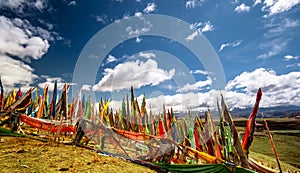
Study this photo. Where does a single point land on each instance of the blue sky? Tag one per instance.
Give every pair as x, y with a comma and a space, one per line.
255, 43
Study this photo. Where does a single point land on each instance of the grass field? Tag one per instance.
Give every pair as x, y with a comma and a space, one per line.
287, 148
286, 136
26, 155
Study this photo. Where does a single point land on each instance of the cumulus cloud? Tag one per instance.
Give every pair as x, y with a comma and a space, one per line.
15, 73
86, 88
50, 82
194, 3
19, 6
111, 59
147, 55
192, 35
24, 41
199, 72
199, 28
150, 8
290, 57
232, 44
207, 27
203, 27
196, 86
278, 90
18, 39
138, 74
138, 31
138, 14
256, 2
138, 39
274, 7
21, 41
242, 8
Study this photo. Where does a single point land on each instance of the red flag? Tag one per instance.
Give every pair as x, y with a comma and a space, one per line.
19, 94
161, 129
196, 136
249, 131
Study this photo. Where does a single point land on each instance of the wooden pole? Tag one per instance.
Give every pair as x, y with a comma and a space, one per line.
273, 145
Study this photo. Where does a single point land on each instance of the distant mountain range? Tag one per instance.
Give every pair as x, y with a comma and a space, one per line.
274, 112
271, 112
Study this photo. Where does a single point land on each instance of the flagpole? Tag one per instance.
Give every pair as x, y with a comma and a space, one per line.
272, 144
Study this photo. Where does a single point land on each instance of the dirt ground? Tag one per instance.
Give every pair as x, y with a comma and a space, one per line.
28, 155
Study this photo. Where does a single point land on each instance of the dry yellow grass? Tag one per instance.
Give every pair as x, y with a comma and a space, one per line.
27, 155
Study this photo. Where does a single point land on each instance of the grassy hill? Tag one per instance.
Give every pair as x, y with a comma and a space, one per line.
286, 136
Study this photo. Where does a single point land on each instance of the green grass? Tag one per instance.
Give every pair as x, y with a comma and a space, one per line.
271, 162
287, 148
286, 136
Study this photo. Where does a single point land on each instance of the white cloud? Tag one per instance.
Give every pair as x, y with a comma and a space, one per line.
277, 90
13, 4
168, 86
138, 74
14, 72
290, 57
203, 27
41, 4
86, 88
150, 8
194, 3
19, 38
102, 19
50, 82
72, 3
256, 2
138, 30
192, 36
138, 39
199, 72
138, 14
111, 59
234, 1
273, 48
274, 7
196, 86
23, 41
147, 55
278, 28
293, 65
207, 27
232, 44
242, 8
199, 27
19, 6
279, 33
135, 30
